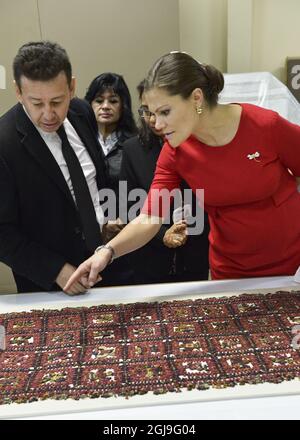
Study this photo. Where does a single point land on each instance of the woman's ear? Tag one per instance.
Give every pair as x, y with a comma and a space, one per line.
198, 100
197, 97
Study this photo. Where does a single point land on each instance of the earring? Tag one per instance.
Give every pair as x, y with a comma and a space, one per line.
199, 110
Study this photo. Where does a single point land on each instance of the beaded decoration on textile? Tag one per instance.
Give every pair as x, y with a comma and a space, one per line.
129, 349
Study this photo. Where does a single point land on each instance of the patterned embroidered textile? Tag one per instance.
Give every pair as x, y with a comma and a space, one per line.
128, 349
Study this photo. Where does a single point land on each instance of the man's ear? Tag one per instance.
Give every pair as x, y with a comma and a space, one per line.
18, 92
72, 87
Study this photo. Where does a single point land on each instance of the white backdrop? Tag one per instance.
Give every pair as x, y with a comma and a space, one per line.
263, 89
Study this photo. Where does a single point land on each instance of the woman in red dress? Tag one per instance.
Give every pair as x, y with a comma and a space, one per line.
246, 159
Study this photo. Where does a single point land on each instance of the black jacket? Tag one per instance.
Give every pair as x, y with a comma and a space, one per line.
40, 229
155, 262
113, 163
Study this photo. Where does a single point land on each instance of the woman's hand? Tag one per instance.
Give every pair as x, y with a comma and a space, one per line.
135, 235
176, 235
65, 273
88, 272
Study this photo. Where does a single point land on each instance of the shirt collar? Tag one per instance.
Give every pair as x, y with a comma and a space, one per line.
109, 143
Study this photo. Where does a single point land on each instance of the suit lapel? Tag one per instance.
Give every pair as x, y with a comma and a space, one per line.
38, 149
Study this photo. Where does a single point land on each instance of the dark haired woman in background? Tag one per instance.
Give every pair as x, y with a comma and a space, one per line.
245, 157
110, 99
162, 259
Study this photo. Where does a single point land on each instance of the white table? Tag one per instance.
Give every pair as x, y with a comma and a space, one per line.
282, 406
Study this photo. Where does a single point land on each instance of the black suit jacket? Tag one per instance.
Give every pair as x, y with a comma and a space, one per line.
40, 229
155, 262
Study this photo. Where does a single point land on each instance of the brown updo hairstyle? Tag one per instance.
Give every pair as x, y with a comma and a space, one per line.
179, 74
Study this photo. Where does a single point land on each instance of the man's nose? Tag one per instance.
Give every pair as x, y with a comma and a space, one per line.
48, 112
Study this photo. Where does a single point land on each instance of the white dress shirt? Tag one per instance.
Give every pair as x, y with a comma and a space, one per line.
53, 142
109, 143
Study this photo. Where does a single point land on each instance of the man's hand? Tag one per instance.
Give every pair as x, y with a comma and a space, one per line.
63, 276
176, 235
87, 274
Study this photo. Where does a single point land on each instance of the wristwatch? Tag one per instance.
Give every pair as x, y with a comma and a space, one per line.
110, 248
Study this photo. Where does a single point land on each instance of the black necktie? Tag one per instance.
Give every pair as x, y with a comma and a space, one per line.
91, 228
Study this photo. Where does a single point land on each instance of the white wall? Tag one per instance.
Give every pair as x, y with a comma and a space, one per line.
125, 36
203, 30
19, 23
128, 35
239, 35
214, 34
276, 35
2, 77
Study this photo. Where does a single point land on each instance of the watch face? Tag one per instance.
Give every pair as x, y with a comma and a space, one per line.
113, 255
106, 246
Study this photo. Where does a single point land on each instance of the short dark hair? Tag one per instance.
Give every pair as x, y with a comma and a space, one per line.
116, 83
41, 61
179, 74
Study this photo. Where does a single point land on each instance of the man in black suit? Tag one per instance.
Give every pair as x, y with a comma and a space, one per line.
42, 236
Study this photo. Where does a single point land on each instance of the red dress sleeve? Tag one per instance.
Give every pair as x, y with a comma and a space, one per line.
286, 139
165, 184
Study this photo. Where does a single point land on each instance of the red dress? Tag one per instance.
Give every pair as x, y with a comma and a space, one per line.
253, 204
